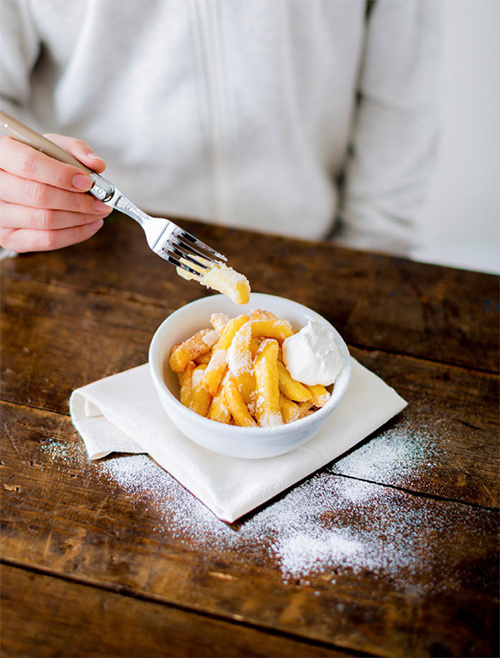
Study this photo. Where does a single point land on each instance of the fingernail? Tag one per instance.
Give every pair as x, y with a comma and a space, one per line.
92, 155
82, 182
100, 206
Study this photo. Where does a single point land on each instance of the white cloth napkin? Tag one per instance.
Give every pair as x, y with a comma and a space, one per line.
122, 413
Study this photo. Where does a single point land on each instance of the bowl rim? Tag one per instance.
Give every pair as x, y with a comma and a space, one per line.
254, 432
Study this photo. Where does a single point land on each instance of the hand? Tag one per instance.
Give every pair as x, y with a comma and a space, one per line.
43, 204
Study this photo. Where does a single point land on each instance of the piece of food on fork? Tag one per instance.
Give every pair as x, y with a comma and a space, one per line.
193, 258
217, 275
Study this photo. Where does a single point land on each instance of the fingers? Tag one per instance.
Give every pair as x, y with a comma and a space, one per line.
81, 150
29, 164
43, 202
45, 219
33, 194
24, 239
26, 162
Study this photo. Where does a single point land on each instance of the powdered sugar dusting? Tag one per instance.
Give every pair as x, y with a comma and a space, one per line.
330, 525
394, 455
301, 554
239, 357
210, 338
270, 419
197, 376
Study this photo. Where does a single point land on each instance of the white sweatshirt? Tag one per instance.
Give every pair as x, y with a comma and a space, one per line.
248, 113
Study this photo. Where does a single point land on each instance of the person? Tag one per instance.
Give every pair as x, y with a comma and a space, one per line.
308, 118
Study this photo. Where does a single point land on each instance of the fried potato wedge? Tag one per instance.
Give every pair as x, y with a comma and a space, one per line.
236, 405
267, 393
291, 387
192, 348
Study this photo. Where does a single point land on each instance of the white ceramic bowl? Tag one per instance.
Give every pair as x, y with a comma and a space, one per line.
243, 442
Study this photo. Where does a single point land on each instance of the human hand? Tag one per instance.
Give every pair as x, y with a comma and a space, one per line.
43, 204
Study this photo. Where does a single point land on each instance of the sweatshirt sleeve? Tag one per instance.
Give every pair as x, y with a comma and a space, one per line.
393, 141
19, 51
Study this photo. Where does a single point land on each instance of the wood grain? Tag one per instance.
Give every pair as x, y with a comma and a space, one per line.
38, 610
66, 516
445, 443
417, 501
386, 303
57, 339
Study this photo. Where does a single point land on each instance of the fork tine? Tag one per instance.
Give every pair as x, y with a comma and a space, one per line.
175, 259
187, 253
202, 247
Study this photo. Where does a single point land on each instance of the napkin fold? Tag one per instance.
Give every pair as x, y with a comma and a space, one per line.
122, 413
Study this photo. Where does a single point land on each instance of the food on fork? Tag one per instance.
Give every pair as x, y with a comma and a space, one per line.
237, 371
218, 276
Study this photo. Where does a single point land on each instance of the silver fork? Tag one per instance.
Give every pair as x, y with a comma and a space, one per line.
165, 238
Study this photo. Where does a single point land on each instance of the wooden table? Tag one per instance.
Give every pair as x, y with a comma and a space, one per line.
389, 551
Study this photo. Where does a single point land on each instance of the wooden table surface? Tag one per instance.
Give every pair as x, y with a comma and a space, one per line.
391, 550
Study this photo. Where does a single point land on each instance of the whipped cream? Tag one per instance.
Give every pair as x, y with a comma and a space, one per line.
312, 355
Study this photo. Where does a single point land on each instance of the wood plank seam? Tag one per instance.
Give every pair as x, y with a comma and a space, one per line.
130, 593
421, 494
417, 494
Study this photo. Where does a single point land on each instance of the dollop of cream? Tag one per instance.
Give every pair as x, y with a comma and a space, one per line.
312, 355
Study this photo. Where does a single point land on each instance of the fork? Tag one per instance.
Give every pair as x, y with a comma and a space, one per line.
165, 238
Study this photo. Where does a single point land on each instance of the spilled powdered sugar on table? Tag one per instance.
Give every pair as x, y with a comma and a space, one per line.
332, 523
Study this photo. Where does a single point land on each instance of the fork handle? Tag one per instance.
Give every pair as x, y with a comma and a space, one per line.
17, 130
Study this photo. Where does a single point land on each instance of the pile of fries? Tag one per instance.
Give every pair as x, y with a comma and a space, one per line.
233, 372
